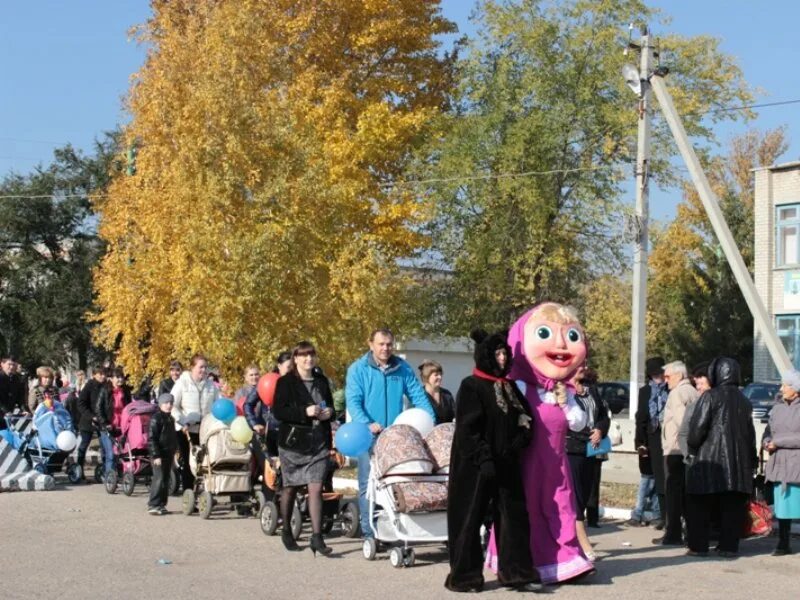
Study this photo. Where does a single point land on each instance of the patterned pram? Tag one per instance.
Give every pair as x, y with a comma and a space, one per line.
407, 490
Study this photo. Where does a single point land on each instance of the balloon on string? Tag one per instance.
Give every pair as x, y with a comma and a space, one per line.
353, 439
240, 430
224, 410
417, 418
66, 441
266, 387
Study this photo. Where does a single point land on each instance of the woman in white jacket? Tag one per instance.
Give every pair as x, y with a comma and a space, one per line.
194, 394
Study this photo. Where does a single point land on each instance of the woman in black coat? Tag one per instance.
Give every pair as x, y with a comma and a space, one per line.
304, 406
492, 426
722, 440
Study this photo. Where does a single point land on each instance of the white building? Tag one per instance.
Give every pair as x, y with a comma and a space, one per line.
777, 260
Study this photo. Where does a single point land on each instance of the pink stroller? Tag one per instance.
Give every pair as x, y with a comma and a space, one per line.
130, 448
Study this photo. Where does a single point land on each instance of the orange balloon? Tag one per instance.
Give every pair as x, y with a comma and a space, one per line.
266, 387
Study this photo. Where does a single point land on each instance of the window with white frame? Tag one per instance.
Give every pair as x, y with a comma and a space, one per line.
787, 240
789, 333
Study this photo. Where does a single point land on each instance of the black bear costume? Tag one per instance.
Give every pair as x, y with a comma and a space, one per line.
492, 426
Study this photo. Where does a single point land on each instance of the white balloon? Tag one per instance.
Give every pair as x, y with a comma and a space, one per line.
66, 441
416, 418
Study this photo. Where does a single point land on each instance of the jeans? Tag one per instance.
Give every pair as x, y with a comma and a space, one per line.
159, 485
647, 495
106, 447
363, 504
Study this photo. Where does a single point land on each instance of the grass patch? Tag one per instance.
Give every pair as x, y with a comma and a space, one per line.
618, 495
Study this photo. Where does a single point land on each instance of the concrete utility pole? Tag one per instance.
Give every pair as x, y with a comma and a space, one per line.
711, 204
640, 250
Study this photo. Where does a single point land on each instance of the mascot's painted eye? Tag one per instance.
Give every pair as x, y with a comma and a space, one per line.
544, 332
573, 335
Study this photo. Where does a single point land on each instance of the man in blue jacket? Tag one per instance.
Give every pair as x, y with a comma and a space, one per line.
376, 384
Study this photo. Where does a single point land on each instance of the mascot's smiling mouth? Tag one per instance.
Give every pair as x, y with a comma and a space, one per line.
560, 359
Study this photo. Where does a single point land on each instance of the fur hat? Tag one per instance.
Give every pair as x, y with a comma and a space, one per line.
485, 347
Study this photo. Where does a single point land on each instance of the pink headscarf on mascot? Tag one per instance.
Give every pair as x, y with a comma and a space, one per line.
548, 345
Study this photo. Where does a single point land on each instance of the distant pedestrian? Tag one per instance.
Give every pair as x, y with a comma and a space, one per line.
649, 417
93, 406
720, 479
782, 441
442, 401
43, 390
681, 395
162, 443
175, 370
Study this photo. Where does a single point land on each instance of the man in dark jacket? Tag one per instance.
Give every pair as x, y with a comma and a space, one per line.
649, 417
175, 370
162, 442
94, 403
12, 390
722, 440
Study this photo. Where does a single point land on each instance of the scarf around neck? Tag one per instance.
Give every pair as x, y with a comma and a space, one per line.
503, 394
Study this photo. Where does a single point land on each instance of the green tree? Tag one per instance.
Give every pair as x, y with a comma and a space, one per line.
696, 310
526, 174
48, 247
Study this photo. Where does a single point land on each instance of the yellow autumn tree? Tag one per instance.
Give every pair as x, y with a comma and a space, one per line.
261, 210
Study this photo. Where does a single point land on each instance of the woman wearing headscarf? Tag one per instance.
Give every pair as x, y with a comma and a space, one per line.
493, 426
782, 441
720, 478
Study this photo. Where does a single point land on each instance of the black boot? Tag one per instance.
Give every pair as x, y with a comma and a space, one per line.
288, 540
784, 538
318, 545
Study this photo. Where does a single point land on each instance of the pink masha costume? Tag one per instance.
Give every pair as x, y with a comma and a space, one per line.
548, 345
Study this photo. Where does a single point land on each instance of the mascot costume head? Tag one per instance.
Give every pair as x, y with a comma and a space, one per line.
548, 345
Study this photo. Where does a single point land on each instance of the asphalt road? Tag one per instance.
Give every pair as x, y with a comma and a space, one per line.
80, 543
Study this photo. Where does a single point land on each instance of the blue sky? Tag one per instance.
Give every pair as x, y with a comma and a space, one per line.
66, 67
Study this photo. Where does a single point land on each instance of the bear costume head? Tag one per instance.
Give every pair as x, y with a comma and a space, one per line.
486, 347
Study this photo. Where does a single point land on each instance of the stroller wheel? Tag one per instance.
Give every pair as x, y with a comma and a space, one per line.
269, 518
296, 522
409, 558
188, 502
396, 557
98, 474
205, 504
128, 483
111, 481
74, 473
351, 526
40, 468
260, 502
369, 548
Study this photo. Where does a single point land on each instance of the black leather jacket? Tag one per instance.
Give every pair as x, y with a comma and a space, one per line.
721, 435
93, 395
163, 439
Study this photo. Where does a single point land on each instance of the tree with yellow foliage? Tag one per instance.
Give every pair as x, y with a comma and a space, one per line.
261, 211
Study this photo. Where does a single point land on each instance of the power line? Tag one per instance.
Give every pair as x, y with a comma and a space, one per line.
749, 106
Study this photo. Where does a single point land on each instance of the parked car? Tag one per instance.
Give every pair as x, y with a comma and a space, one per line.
616, 394
762, 396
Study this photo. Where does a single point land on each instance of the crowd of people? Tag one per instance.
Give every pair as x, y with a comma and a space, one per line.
531, 435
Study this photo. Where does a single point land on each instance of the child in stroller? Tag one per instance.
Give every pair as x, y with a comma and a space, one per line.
38, 445
131, 452
407, 491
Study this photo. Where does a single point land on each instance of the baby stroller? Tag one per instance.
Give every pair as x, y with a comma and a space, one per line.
38, 446
131, 450
221, 467
407, 491
335, 508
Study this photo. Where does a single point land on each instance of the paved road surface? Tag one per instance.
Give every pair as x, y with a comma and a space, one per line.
80, 543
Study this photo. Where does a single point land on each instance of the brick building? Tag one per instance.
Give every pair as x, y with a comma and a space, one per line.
777, 260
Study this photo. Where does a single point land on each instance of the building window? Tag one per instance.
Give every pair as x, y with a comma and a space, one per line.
789, 333
788, 238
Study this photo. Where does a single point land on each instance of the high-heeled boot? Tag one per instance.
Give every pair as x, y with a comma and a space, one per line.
318, 545
288, 540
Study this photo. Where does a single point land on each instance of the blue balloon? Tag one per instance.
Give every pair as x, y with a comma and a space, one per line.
224, 410
353, 439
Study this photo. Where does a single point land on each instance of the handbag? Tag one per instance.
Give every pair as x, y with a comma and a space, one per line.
295, 437
615, 433
759, 519
604, 447
763, 490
